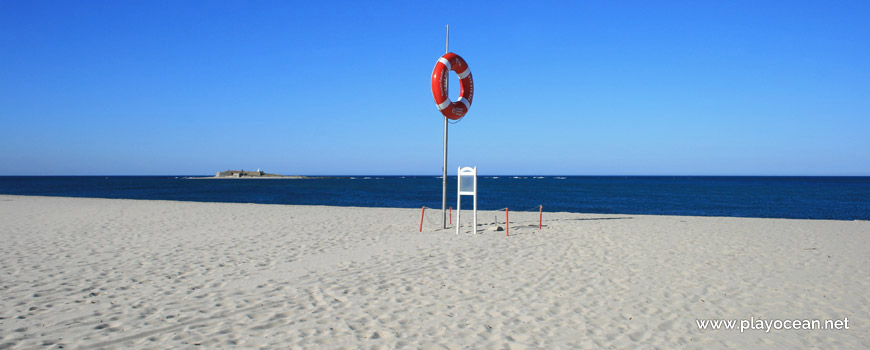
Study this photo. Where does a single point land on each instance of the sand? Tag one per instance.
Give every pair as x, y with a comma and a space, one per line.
102, 273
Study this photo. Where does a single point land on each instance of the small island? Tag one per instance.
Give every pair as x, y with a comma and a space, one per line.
242, 174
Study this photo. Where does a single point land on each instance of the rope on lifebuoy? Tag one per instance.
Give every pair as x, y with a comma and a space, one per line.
452, 62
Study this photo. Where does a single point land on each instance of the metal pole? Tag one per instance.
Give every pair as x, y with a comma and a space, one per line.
444, 181
447, 41
444, 166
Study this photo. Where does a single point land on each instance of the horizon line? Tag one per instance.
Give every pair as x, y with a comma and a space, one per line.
453, 175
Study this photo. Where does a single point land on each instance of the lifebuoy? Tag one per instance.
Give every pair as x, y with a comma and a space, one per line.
452, 62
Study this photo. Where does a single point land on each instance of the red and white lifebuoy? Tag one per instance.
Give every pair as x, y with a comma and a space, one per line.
452, 62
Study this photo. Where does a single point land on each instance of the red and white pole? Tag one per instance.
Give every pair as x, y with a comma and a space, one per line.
540, 216
423, 212
507, 223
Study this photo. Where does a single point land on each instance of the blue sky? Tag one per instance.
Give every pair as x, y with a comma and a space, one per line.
332, 87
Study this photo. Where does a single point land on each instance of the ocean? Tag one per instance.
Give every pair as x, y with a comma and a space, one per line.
837, 198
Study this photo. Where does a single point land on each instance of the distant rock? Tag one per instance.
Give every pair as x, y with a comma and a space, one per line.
242, 174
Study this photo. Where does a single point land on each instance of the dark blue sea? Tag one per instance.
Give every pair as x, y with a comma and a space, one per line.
838, 198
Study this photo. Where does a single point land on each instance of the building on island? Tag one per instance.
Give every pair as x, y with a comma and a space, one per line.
242, 173
259, 174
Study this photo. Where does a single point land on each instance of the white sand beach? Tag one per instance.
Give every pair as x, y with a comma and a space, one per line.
102, 273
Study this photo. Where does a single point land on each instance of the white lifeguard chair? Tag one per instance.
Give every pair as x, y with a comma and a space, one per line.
466, 185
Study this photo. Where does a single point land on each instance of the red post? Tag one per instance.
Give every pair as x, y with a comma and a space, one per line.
421, 218
540, 216
451, 215
507, 223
